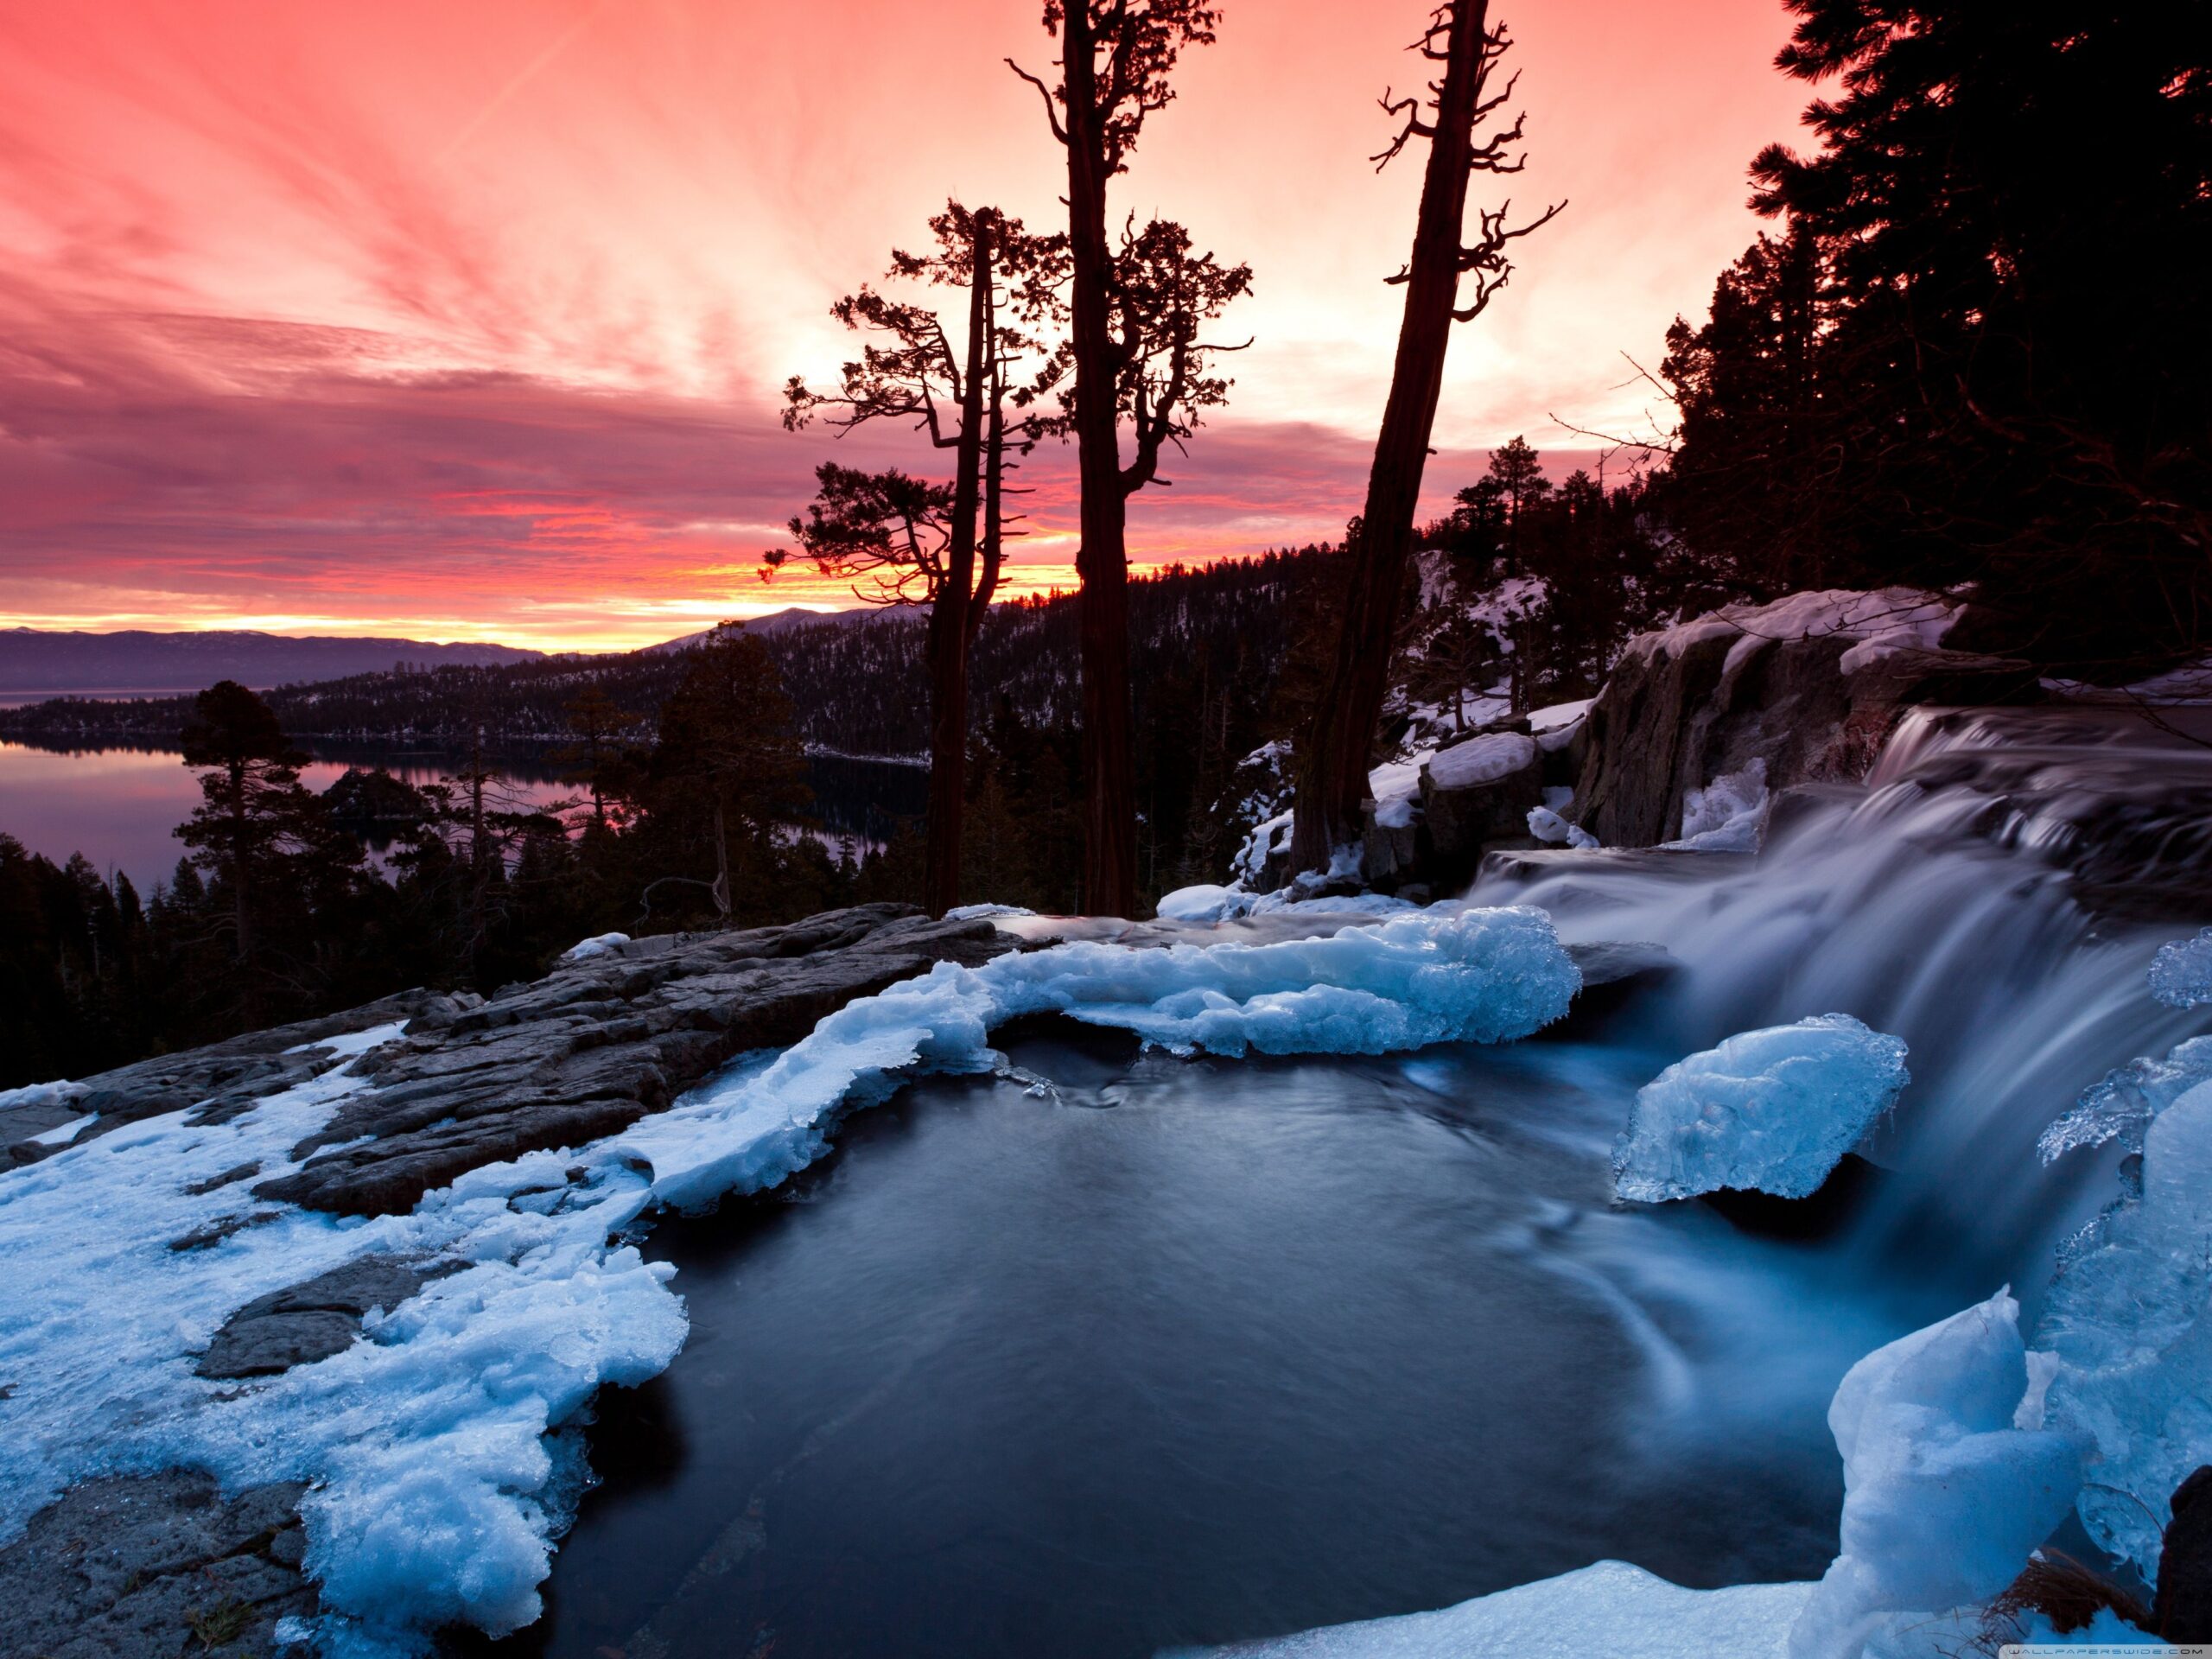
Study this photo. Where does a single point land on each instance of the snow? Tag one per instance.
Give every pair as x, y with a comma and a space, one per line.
1546, 825
435, 1490
1773, 1109
2130, 1318
1205, 902
1268, 837
1950, 1479
2120, 1105
2181, 974
1880, 623
1482, 761
1559, 717
1395, 787
1612, 1610
982, 913
1420, 977
1726, 815
598, 945
62, 1134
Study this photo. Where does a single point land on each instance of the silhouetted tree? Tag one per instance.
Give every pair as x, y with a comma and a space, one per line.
1333, 767
959, 398
1135, 309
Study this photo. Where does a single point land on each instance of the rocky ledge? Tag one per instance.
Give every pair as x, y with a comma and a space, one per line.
163, 1566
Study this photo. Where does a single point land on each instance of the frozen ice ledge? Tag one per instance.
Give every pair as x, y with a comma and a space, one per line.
361, 1271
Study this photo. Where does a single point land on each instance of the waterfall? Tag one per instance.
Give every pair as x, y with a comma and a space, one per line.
1992, 894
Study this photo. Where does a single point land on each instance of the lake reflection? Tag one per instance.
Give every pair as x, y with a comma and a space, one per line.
119, 806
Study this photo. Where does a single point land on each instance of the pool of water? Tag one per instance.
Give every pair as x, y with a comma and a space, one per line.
1195, 1350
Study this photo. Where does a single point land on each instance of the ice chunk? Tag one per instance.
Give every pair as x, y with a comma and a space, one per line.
597, 945
2120, 1105
1547, 825
1726, 815
1774, 1109
1944, 1497
1482, 761
2181, 974
1612, 1610
1420, 977
2130, 1318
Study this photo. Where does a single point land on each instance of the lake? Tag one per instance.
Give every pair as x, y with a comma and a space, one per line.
119, 806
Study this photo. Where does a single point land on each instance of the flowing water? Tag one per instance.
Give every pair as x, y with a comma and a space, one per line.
1194, 1351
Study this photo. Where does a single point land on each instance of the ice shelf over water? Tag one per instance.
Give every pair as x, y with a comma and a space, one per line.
1773, 1109
2181, 974
436, 1490
2131, 1322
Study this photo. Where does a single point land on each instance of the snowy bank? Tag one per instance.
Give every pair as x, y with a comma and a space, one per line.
438, 1481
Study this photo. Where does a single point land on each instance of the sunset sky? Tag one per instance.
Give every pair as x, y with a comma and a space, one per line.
464, 319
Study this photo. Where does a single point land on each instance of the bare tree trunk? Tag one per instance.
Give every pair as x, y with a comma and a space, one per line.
239, 906
949, 629
721, 887
1110, 853
1334, 780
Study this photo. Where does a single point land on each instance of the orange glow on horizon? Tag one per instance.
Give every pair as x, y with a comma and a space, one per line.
467, 322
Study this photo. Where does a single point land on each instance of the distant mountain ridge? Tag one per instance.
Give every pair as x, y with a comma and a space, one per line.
139, 659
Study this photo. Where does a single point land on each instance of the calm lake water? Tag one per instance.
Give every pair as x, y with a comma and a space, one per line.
119, 806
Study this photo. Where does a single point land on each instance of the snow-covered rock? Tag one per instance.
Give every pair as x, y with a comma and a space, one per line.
1773, 1109
1810, 685
1950, 1479
598, 945
2181, 974
1477, 793
2130, 1318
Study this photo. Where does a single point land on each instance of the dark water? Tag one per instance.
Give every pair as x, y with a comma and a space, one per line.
119, 806
1203, 1351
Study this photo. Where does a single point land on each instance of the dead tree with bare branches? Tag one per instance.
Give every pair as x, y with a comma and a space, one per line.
1338, 750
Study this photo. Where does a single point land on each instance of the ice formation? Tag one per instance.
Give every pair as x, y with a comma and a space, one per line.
1950, 1479
1726, 815
1773, 1109
1612, 1610
2181, 974
2130, 1318
435, 1494
1420, 977
1546, 825
2120, 1105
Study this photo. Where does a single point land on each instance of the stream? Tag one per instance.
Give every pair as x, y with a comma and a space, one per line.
1189, 1351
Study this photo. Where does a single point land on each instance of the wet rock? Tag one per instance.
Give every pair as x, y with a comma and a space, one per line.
2183, 1611
313, 1320
154, 1567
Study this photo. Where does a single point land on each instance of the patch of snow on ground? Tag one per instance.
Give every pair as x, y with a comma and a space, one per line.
1950, 1479
598, 945
2181, 974
1773, 1110
1395, 787
1612, 1610
62, 1134
1726, 815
